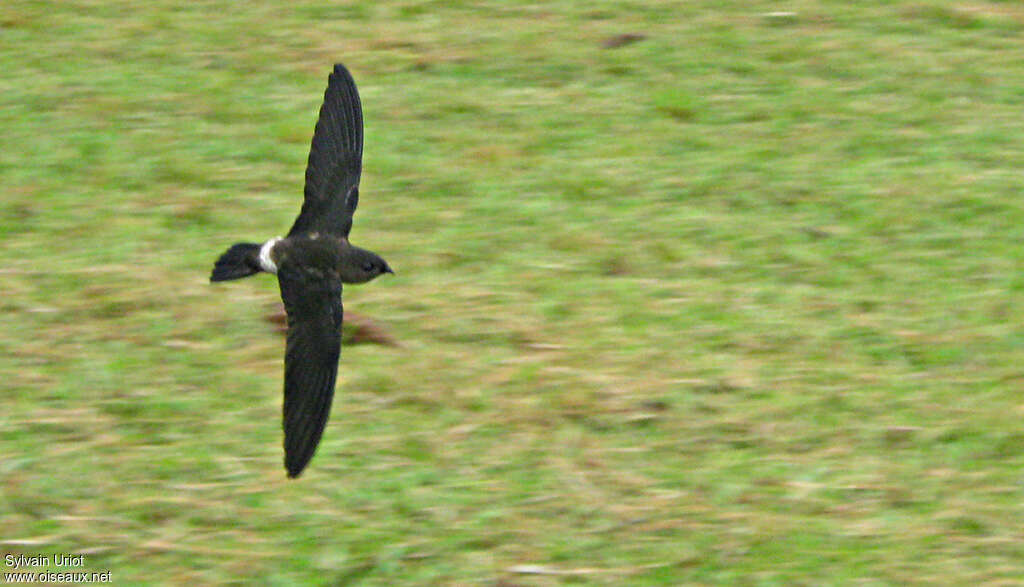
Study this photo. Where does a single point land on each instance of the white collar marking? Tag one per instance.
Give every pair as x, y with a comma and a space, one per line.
266, 263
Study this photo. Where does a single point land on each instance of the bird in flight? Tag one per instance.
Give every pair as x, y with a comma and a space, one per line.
311, 263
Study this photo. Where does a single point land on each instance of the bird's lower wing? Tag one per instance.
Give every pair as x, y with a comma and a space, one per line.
312, 299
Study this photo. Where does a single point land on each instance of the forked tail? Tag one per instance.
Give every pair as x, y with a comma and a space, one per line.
241, 260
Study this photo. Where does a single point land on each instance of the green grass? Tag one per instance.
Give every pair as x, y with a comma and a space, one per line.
740, 303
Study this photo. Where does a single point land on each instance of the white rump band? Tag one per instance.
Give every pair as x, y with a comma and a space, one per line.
266, 263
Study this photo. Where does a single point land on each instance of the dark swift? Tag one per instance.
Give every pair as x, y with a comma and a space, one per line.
311, 263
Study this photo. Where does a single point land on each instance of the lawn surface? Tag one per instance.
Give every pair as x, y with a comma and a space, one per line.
737, 303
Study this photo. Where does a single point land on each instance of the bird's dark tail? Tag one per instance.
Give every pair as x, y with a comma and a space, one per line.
241, 260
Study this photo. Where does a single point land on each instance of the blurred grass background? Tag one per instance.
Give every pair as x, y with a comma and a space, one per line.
738, 303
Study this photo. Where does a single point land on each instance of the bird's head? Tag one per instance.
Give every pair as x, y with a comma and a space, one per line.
360, 266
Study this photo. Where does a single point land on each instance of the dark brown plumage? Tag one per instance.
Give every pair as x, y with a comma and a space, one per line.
312, 299
311, 263
335, 161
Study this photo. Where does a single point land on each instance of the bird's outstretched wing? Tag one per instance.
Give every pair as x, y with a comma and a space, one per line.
335, 161
312, 298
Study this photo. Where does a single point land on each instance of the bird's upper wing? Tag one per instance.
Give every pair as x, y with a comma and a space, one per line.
312, 298
335, 161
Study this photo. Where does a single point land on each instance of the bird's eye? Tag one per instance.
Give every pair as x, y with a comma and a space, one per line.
368, 267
